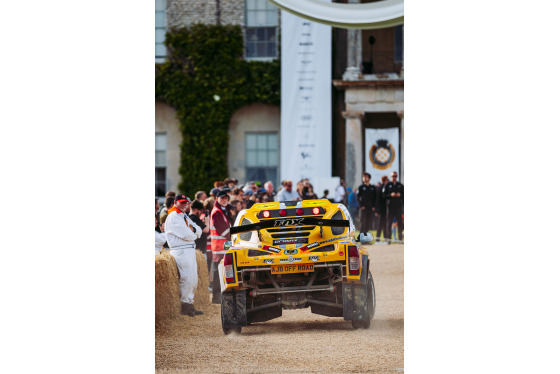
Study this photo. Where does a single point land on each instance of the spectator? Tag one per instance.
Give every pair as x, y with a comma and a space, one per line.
157, 216
168, 194
229, 183
381, 208
200, 196
221, 221
218, 184
169, 201
308, 193
238, 193
299, 188
269, 188
161, 238
197, 212
181, 234
325, 194
208, 206
366, 198
340, 192
235, 209
393, 192
250, 199
250, 186
286, 193
353, 206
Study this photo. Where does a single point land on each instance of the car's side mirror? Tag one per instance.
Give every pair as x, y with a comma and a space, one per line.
227, 245
366, 238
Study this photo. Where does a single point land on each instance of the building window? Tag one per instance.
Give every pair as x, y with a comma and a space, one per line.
261, 157
161, 24
161, 164
399, 44
261, 32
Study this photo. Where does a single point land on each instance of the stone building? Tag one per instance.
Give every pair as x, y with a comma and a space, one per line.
368, 85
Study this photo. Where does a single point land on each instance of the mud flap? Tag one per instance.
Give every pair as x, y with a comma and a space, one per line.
234, 310
354, 296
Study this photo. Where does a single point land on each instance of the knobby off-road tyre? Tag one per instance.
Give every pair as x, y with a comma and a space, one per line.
228, 331
370, 305
227, 313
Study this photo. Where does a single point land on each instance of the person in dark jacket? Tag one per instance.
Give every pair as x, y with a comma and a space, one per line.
197, 209
381, 208
393, 192
367, 197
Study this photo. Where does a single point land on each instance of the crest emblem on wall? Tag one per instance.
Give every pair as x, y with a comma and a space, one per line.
382, 154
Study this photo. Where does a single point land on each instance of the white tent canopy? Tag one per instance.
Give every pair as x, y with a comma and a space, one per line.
375, 15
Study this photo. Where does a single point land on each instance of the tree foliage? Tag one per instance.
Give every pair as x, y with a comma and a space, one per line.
206, 79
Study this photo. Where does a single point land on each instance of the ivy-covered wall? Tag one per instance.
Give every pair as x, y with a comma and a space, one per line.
206, 80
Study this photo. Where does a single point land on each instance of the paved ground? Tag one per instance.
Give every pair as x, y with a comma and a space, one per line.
299, 341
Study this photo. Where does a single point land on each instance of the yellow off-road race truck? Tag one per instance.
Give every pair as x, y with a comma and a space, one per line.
294, 255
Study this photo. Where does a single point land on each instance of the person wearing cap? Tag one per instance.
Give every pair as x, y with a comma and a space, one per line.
220, 223
181, 234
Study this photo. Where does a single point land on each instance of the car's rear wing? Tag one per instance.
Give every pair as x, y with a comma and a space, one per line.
292, 221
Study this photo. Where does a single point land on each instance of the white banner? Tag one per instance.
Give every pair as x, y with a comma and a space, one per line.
382, 153
306, 99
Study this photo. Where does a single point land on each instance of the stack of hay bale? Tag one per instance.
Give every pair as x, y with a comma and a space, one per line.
168, 303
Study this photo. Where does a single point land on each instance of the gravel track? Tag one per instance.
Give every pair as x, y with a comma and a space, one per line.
299, 341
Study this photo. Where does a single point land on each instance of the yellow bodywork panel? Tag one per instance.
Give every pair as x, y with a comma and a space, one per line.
291, 243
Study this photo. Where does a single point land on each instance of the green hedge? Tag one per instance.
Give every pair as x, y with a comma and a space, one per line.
206, 62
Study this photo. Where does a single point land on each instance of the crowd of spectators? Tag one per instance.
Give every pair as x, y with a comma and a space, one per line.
372, 206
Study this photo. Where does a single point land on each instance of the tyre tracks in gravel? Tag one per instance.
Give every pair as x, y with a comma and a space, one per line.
299, 341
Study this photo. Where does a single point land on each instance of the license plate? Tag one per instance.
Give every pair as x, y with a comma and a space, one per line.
285, 269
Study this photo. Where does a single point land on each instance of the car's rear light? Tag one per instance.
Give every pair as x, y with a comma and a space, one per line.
316, 210
228, 268
283, 213
354, 260
266, 214
299, 211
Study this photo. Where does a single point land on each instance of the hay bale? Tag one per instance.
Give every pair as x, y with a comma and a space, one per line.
168, 295
168, 303
201, 295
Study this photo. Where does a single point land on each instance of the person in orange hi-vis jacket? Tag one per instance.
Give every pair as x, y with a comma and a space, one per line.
220, 223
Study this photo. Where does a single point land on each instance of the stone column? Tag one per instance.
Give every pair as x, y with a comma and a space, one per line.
354, 53
401, 156
354, 148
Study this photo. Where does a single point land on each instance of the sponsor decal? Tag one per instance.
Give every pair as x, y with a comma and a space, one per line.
244, 262
314, 258
290, 260
328, 241
312, 245
268, 261
290, 241
288, 222
382, 154
275, 250
267, 206
292, 251
307, 203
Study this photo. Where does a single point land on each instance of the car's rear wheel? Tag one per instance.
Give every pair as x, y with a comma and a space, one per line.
364, 324
229, 330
